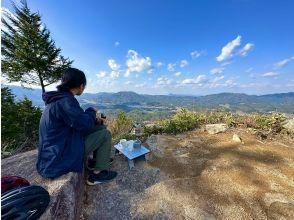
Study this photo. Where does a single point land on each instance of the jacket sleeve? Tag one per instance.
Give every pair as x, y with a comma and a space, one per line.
75, 116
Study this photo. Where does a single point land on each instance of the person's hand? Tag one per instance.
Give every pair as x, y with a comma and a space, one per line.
104, 120
100, 121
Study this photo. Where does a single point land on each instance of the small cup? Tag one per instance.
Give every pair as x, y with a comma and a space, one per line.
130, 145
123, 142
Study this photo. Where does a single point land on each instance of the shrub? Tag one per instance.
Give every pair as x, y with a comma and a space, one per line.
19, 124
121, 125
185, 120
265, 121
155, 129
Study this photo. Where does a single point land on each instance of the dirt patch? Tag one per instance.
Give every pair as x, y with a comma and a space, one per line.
200, 176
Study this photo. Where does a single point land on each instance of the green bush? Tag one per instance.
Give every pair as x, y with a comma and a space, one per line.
121, 125
155, 129
19, 124
185, 120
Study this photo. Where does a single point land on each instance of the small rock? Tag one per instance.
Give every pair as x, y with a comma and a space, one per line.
216, 128
289, 126
202, 128
237, 138
261, 135
251, 130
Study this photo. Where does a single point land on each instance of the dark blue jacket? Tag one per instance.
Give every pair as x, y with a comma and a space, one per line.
61, 142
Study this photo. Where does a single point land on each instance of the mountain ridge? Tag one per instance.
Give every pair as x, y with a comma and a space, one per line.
283, 102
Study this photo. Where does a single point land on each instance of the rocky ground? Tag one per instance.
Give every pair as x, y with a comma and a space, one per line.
197, 175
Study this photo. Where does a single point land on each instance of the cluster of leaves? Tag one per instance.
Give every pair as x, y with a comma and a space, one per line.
19, 123
271, 122
185, 120
120, 126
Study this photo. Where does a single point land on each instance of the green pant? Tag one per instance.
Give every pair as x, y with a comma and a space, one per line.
98, 141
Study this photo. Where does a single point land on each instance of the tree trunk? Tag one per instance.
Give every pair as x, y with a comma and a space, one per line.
41, 82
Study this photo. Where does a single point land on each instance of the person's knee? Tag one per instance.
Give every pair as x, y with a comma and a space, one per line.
107, 134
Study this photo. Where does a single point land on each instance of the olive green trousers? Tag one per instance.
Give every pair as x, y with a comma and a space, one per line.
98, 142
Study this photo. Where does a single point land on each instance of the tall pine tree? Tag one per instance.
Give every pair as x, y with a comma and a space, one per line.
29, 54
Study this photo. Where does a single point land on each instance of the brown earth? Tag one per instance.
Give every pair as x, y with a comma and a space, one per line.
200, 176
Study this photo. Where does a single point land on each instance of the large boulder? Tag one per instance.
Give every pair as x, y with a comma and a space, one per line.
216, 128
66, 192
289, 126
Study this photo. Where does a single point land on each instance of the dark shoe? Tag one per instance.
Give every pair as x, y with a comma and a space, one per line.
91, 163
104, 176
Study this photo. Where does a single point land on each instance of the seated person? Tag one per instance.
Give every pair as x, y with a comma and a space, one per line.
68, 134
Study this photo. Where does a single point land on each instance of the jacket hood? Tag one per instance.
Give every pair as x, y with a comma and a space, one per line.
53, 96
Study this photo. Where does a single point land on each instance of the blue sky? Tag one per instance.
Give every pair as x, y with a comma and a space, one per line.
182, 47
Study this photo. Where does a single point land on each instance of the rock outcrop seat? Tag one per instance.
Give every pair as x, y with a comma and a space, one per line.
66, 192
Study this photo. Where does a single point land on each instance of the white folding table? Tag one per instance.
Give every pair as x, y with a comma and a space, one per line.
132, 154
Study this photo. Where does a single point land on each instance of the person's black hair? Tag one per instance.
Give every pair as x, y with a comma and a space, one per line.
72, 78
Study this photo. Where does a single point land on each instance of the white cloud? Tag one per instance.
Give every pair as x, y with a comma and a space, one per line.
201, 79
217, 70
188, 81
159, 64
184, 63
230, 83
101, 74
105, 83
218, 78
127, 73
198, 80
228, 49
151, 71
163, 81
283, 63
113, 65
226, 63
171, 67
116, 43
195, 54
128, 82
178, 73
255, 85
136, 63
270, 74
114, 74
216, 82
141, 85
246, 49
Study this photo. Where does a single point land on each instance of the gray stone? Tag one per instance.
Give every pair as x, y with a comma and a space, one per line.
216, 128
289, 126
66, 192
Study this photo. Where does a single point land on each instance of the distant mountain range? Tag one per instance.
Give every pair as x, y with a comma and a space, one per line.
282, 102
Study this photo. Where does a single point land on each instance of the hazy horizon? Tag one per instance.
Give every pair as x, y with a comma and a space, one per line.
153, 94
